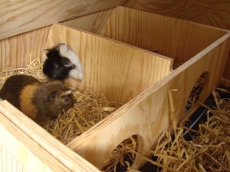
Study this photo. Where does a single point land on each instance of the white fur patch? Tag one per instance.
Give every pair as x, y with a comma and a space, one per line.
67, 52
66, 93
76, 74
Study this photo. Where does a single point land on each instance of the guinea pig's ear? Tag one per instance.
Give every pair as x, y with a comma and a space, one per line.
52, 96
66, 62
46, 51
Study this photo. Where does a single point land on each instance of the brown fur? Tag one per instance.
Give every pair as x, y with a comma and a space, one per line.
42, 102
26, 105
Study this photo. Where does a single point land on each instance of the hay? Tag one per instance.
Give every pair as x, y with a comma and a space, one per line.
209, 149
87, 111
34, 68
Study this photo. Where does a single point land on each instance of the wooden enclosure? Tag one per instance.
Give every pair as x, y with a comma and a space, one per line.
128, 55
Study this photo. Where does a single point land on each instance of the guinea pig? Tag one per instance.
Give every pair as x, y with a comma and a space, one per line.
62, 62
41, 101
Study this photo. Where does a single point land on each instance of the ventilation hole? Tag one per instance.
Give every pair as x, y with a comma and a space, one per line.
197, 93
122, 157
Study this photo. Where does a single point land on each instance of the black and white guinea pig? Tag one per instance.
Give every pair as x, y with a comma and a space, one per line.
62, 62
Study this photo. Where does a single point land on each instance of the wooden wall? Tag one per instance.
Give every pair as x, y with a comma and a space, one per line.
24, 25
214, 13
21, 16
210, 12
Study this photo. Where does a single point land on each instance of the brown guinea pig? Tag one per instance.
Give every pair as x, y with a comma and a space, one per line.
42, 102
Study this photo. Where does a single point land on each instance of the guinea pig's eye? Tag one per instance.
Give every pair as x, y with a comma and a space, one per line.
52, 96
66, 99
56, 66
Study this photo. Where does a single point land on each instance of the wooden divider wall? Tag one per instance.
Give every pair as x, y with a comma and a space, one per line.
170, 37
117, 70
151, 112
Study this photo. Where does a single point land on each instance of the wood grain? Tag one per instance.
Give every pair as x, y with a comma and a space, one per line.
92, 22
117, 70
16, 51
226, 74
125, 74
149, 114
209, 12
52, 153
21, 16
173, 38
18, 151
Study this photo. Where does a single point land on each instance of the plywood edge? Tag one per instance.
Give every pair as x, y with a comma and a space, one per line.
92, 22
65, 156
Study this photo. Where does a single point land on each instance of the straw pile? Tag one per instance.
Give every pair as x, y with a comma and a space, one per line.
208, 151
89, 109
34, 68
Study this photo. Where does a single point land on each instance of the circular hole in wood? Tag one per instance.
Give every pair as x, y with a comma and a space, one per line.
122, 156
198, 92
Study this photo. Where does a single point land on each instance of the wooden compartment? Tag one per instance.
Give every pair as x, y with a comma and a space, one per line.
170, 37
117, 63
200, 50
117, 70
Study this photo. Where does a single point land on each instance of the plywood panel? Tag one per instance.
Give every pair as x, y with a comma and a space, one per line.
21, 16
92, 22
209, 12
115, 69
150, 113
170, 37
16, 51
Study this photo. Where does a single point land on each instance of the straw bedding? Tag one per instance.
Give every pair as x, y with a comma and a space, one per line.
209, 149
89, 109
